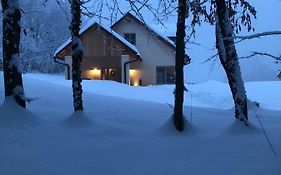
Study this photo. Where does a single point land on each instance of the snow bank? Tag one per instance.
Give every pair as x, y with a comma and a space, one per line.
78, 119
238, 127
12, 115
168, 129
211, 94
125, 136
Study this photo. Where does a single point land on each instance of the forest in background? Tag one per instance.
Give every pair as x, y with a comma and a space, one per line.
44, 29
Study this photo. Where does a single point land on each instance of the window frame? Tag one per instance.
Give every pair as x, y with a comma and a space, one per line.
166, 72
131, 38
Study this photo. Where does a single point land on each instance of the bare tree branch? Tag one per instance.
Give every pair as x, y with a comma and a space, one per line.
277, 58
257, 35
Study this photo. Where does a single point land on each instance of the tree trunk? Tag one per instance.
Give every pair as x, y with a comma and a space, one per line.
179, 64
11, 41
77, 53
228, 57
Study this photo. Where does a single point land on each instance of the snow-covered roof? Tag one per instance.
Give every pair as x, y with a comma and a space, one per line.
90, 22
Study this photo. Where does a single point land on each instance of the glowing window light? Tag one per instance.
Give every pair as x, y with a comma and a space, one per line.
94, 73
134, 77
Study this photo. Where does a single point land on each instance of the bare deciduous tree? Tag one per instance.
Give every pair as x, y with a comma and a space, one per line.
179, 64
229, 60
11, 41
77, 54
224, 14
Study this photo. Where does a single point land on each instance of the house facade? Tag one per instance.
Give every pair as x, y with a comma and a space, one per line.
129, 52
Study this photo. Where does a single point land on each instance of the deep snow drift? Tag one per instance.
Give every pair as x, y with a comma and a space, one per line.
127, 130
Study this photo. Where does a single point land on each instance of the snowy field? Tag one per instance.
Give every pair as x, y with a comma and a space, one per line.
127, 131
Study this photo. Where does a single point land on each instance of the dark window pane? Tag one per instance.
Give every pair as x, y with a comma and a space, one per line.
160, 71
165, 75
131, 37
170, 75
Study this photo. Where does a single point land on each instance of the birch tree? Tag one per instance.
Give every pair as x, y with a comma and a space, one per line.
11, 40
77, 54
224, 15
229, 60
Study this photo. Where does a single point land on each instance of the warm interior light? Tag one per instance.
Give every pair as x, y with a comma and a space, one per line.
136, 83
94, 74
134, 77
133, 72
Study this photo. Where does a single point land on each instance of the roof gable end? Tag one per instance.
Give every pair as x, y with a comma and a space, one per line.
164, 39
91, 23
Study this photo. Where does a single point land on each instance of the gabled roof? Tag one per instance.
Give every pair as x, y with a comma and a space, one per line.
165, 39
91, 22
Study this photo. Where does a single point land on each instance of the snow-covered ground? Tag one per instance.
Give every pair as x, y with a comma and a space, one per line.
127, 130
211, 94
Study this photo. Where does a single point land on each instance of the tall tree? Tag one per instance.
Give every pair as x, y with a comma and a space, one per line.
11, 41
228, 57
229, 20
179, 64
77, 54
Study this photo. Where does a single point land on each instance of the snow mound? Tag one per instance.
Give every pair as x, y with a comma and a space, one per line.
168, 128
78, 119
11, 114
240, 128
253, 105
